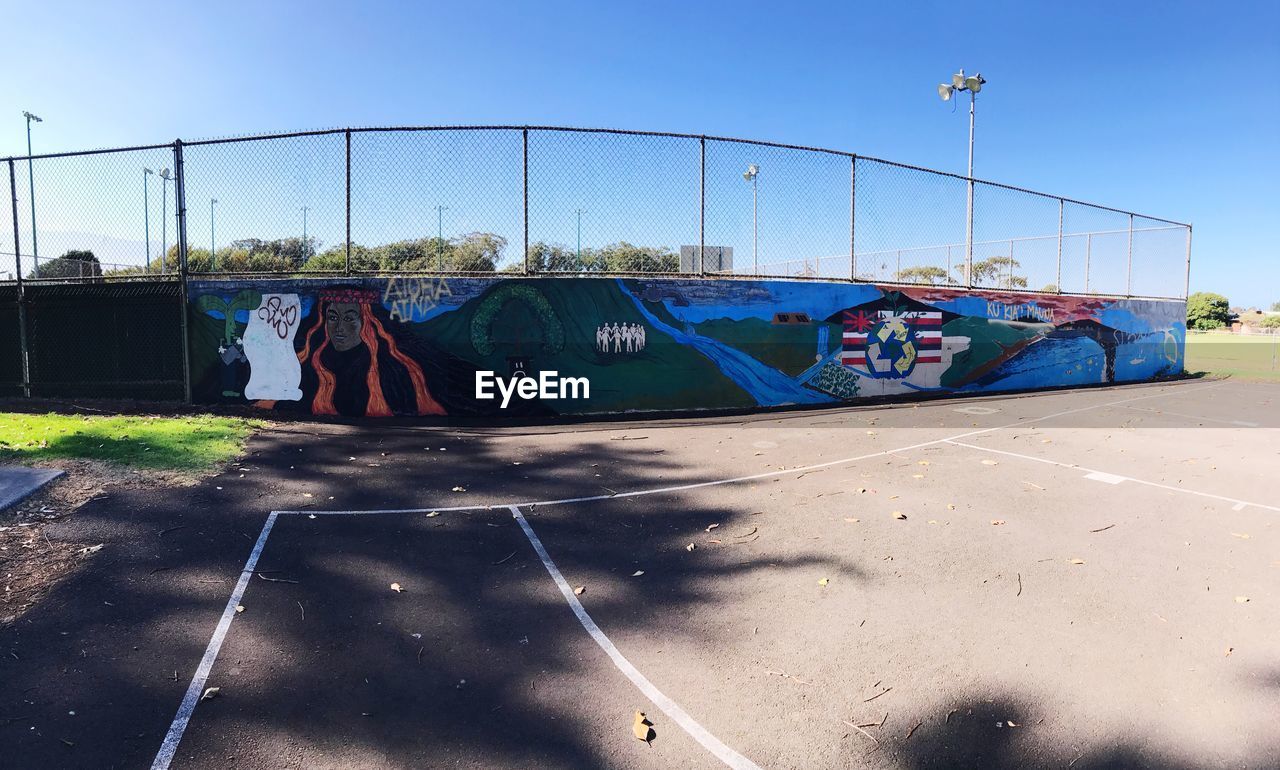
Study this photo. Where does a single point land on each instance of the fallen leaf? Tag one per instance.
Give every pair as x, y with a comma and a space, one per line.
211, 693
239, 608
641, 728
1011, 723
990, 462
637, 573
997, 522
922, 462
951, 506
899, 515
433, 514
933, 521
1240, 535
711, 527
1229, 650
824, 581
690, 547
396, 587
579, 591
1242, 600
459, 489
304, 494
1077, 561
851, 520
917, 475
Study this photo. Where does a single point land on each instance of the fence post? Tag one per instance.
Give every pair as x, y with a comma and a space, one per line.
347, 269
180, 190
702, 208
853, 216
1187, 285
22, 298
1128, 270
1010, 264
1057, 281
1088, 254
525, 133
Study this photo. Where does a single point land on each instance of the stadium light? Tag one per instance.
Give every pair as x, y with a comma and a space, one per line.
165, 178
146, 214
31, 186
973, 84
752, 172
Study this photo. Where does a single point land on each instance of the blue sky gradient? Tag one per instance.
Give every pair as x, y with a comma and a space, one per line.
1170, 110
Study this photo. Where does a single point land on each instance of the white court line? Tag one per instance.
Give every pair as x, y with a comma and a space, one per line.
755, 476
1239, 423
196, 689
669, 707
1110, 477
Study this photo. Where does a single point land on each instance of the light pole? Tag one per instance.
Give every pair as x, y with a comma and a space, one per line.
165, 176
751, 174
31, 185
146, 214
579, 252
972, 84
440, 236
213, 251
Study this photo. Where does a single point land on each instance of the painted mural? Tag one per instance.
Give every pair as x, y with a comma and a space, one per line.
412, 346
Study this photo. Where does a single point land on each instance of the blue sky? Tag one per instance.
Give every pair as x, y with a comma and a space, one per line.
1171, 112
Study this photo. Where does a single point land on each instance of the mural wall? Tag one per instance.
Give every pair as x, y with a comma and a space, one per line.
378, 347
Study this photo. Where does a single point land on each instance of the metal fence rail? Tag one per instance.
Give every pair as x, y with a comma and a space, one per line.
549, 200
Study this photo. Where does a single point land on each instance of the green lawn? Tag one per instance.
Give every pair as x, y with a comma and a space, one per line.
1245, 356
175, 443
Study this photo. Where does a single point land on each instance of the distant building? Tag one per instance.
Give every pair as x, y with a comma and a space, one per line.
719, 259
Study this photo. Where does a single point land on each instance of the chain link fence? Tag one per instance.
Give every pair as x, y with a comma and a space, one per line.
525, 200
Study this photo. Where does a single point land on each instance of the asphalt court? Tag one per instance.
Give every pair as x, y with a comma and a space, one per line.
1083, 577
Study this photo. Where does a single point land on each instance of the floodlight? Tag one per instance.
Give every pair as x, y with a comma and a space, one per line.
750, 173
974, 83
944, 91
29, 116
164, 174
957, 80
148, 171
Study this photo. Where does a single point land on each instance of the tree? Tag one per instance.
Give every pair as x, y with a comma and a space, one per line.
72, 264
1275, 307
1271, 322
1206, 310
929, 274
998, 272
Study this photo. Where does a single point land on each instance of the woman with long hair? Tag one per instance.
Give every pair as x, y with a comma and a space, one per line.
356, 361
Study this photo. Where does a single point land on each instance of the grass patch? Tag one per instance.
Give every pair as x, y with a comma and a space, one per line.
1244, 356
194, 443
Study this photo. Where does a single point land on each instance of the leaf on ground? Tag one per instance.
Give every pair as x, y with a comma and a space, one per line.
304, 494
850, 519
1011, 723
711, 527
691, 547
899, 515
211, 693
641, 728
951, 506
459, 489
1229, 651
1077, 561
922, 462
990, 462
933, 521
396, 587
1242, 600
824, 581
1240, 535
997, 522
239, 608
917, 475
433, 514
579, 591
637, 573
748, 533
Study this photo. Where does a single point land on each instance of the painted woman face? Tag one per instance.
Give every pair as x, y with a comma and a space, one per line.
342, 324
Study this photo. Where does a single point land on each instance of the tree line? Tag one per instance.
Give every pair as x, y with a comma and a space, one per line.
471, 253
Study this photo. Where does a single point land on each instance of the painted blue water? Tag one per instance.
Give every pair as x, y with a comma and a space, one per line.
768, 386
1050, 361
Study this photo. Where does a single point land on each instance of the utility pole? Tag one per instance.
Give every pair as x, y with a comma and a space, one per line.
31, 186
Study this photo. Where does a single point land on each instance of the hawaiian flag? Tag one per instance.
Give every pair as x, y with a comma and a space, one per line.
925, 329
